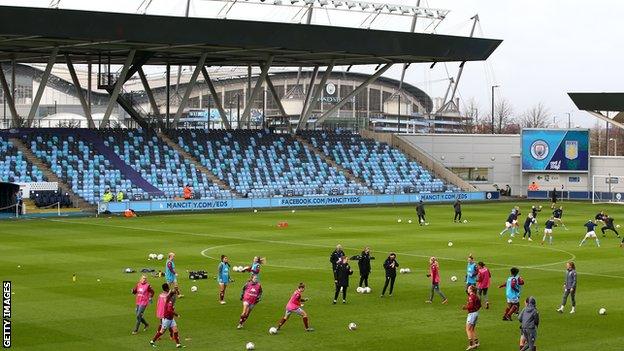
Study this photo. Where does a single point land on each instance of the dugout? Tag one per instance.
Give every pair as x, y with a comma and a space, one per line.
7, 196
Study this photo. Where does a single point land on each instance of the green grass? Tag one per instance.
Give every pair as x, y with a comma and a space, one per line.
50, 312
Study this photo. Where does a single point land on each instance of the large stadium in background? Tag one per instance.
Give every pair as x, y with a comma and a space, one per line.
555, 150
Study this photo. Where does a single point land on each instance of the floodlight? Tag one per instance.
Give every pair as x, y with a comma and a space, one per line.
350, 4
364, 5
323, 2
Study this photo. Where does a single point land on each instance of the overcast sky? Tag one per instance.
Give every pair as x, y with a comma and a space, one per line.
550, 46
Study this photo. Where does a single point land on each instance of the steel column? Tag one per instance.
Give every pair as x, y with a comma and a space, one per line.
357, 90
303, 121
189, 88
117, 89
256, 89
79, 94
44, 81
150, 97
8, 98
215, 97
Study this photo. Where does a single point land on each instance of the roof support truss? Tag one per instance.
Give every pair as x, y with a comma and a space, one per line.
150, 97
117, 89
263, 74
42, 84
303, 121
189, 88
85, 106
278, 101
9, 98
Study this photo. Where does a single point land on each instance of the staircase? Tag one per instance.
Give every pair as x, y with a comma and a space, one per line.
347, 173
51, 176
198, 165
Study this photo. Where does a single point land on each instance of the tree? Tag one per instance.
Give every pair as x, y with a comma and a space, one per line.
535, 117
502, 115
470, 116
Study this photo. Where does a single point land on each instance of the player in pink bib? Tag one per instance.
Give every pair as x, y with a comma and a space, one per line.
144, 294
295, 305
434, 274
483, 282
250, 295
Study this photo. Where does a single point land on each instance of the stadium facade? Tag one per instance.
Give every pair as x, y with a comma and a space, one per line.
385, 105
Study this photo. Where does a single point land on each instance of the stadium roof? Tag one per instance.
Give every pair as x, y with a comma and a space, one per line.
598, 101
29, 35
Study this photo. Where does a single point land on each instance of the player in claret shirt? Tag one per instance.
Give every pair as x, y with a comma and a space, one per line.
434, 274
168, 321
483, 282
295, 305
591, 226
251, 295
473, 306
144, 294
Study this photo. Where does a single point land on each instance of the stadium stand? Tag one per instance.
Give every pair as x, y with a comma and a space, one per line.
382, 168
259, 163
159, 164
14, 168
76, 161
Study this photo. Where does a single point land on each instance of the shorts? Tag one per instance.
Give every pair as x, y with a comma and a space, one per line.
514, 222
298, 311
224, 280
171, 280
508, 225
168, 323
482, 291
547, 231
591, 234
515, 300
472, 318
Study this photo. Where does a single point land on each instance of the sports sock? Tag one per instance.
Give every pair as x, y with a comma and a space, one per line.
281, 322
305, 322
550, 239
176, 337
157, 336
243, 318
597, 242
221, 295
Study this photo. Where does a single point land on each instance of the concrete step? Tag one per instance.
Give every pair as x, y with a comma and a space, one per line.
78, 201
198, 165
347, 173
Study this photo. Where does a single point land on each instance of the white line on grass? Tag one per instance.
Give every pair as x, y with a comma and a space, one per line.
538, 267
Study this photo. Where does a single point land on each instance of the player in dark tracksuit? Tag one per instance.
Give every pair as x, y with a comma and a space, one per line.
420, 211
336, 256
341, 278
529, 322
569, 287
608, 221
390, 265
558, 214
364, 265
458, 211
527, 226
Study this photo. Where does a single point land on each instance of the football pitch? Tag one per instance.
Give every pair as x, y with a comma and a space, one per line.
96, 312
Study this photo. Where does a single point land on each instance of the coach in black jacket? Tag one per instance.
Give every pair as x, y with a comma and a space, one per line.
390, 265
364, 265
420, 211
341, 278
335, 257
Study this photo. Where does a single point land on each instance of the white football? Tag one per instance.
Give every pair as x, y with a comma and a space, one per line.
399, 220
509, 241
453, 278
272, 330
402, 270
450, 243
255, 211
426, 223
602, 311
409, 221
367, 290
193, 288
160, 257
235, 269
293, 211
465, 221
352, 326
422, 221
359, 290
151, 256
617, 226
250, 346
408, 270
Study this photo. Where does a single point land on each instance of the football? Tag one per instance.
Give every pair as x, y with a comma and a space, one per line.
235, 269
509, 241
255, 211
160, 257
359, 290
450, 243
422, 221
151, 256
193, 288
399, 220
272, 330
250, 346
465, 221
409, 221
352, 326
367, 290
617, 226
602, 311
293, 211
402, 270
453, 278
426, 223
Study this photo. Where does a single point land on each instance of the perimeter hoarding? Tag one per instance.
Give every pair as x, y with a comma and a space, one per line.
555, 150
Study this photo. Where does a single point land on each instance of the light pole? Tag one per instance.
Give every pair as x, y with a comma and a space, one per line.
614, 140
493, 86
